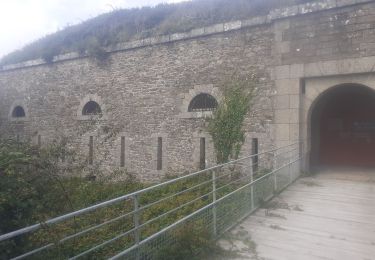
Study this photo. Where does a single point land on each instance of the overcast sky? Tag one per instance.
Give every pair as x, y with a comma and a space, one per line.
22, 21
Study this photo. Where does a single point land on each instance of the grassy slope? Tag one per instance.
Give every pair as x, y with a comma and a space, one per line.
129, 24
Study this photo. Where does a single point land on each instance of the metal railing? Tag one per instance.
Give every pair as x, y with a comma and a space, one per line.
149, 222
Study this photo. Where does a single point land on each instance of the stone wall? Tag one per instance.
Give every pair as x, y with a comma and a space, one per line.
141, 93
318, 47
144, 88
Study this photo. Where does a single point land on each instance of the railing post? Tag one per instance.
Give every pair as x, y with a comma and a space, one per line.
290, 165
214, 217
136, 224
275, 173
303, 163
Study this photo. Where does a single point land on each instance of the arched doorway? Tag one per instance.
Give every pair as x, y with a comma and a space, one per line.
343, 127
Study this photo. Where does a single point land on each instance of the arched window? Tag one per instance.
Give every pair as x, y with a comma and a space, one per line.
18, 112
91, 108
202, 102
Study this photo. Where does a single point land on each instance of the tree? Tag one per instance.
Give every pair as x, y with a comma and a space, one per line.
226, 125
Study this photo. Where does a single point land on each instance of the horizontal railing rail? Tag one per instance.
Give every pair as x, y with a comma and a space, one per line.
144, 217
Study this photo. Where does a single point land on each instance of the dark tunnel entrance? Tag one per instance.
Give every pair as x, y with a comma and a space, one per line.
343, 127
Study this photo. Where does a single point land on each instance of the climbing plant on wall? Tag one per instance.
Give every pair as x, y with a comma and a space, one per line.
226, 124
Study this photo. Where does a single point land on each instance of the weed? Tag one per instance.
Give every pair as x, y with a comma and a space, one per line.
274, 215
276, 227
310, 183
297, 208
274, 204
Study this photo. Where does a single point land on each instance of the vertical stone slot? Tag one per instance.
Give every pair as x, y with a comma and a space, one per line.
39, 140
91, 150
202, 160
122, 156
159, 165
303, 86
255, 151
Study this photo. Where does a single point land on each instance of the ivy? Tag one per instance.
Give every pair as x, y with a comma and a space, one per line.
226, 125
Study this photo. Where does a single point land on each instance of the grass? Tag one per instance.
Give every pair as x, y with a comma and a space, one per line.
37, 187
240, 242
192, 238
297, 208
310, 183
277, 227
120, 25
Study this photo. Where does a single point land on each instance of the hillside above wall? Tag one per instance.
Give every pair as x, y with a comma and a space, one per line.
125, 25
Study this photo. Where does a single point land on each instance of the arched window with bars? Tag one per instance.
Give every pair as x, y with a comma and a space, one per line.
18, 112
91, 108
202, 102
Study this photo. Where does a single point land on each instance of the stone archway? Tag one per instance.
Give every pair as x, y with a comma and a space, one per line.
342, 127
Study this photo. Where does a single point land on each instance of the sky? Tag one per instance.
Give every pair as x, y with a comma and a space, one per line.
23, 21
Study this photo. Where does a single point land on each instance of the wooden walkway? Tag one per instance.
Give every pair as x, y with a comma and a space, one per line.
328, 216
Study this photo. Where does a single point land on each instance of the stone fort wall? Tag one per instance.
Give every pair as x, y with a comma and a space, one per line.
144, 87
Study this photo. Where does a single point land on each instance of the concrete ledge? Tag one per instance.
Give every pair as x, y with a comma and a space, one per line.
323, 69
205, 31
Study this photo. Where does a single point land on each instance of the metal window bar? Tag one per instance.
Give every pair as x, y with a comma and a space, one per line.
240, 170
203, 102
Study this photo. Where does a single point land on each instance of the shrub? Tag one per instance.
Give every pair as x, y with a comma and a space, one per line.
226, 125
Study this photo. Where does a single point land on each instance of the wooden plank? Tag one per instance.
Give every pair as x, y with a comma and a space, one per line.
335, 219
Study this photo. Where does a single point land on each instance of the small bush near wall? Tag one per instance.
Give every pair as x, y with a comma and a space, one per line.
226, 125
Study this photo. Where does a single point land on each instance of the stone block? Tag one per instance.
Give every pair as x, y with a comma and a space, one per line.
232, 25
328, 67
214, 29
287, 86
281, 102
282, 72
360, 1
178, 36
297, 71
362, 65
316, 6
282, 132
254, 21
293, 116
197, 32
278, 36
282, 47
286, 116
283, 12
313, 69
136, 44
282, 116
341, 3
281, 143
294, 130
294, 101
282, 25
164, 38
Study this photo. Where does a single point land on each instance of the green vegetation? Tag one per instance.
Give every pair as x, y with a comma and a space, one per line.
125, 25
191, 241
38, 184
42, 183
226, 125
